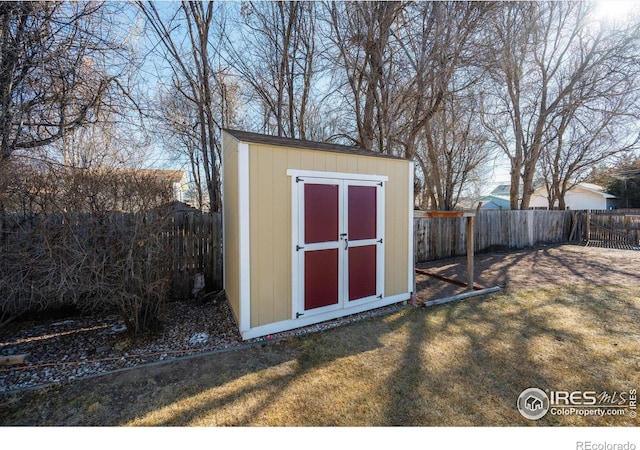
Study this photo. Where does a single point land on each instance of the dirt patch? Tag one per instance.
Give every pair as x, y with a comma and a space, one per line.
529, 269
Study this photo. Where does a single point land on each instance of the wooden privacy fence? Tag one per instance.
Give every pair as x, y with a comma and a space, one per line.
71, 245
196, 247
437, 238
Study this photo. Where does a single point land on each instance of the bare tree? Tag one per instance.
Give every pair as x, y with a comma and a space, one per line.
581, 144
438, 59
177, 127
623, 180
361, 35
58, 69
276, 61
453, 150
409, 74
434, 106
595, 123
179, 134
548, 60
194, 77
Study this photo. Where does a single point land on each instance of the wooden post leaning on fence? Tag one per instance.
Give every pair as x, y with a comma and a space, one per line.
470, 234
470, 292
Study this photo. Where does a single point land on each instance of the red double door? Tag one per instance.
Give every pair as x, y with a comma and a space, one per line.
341, 248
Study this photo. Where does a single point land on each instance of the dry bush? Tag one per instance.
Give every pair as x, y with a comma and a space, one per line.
92, 239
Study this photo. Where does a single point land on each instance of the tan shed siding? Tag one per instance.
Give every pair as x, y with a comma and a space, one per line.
282, 253
231, 223
270, 244
397, 226
331, 163
270, 212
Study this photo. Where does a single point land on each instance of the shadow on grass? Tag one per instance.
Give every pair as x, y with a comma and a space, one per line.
185, 391
458, 364
278, 370
578, 339
461, 364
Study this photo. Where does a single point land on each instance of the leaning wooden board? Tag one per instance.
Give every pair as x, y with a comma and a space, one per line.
12, 360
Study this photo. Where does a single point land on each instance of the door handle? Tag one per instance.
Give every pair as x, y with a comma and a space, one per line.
346, 243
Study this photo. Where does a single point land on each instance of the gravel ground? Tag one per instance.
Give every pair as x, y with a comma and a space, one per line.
81, 347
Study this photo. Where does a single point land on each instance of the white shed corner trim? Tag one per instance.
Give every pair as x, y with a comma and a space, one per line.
244, 237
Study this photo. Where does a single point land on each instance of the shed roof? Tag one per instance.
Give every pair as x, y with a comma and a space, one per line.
257, 138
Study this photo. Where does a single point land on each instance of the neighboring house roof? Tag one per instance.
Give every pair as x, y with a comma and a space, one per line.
300, 143
178, 206
173, 176
590, 187
494, 202
504, 190
596, 189
580, 196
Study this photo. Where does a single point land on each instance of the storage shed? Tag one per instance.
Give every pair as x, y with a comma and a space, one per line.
312, 231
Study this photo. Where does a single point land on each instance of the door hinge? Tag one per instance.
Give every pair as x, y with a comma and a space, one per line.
298, 248
299, 314
379, 242
379, 296
380, 184
298, 179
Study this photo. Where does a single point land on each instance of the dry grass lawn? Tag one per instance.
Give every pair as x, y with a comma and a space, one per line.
461, 364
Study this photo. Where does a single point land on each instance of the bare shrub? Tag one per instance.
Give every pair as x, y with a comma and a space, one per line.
93, 239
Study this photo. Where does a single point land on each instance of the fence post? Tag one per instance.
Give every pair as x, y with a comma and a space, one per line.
470, 251
587, 228
530, 228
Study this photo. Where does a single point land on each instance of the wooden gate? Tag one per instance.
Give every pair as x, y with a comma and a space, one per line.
613, 229
196, 245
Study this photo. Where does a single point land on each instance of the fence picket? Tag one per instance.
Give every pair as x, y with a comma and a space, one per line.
619, 228
437, 238
193, 242
196, 239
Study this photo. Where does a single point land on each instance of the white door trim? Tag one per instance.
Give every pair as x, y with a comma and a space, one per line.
335, 175
298, 179
298, 259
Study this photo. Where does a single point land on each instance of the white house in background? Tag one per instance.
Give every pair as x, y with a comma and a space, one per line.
581, 196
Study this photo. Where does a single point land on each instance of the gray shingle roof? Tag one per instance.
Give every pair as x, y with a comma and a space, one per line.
257, 138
